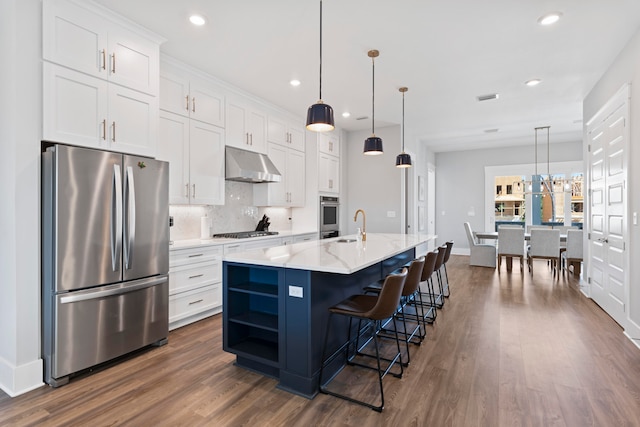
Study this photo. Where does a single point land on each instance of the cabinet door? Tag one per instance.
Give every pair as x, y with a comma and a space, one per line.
329, 144
277, 191
206, 161
207, 104
173, 147
328, 180
296, 137
74, 37
237, 126
74, 107
295, 178
257, 130
133, 61
174, 94
277, 131
133, 121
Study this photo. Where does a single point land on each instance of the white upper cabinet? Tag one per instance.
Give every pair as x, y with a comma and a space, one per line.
87, 41
192, 97
195, 151
329, 143
246, 126
100, 79
290, 191
286, 133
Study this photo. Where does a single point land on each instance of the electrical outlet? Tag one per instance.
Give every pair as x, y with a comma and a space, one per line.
295, 291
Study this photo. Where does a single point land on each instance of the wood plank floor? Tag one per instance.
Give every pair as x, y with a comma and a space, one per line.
506, 350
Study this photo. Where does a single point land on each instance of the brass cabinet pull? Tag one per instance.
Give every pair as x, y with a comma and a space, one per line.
113, 63
196, 276
104, 59
330, 146
187, 99
187, 192
195, 255
330, 183
104, 130
194, 191
193, 104
251, 139
196, 301
113, 131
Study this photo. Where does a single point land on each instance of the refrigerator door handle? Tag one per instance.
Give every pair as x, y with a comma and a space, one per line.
130, 223
118, 290
116, 218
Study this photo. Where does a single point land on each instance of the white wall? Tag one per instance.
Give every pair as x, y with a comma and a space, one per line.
20, 133
460, 185
374, 183
626, 69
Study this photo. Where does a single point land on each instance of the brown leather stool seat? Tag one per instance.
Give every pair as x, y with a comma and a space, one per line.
373, 310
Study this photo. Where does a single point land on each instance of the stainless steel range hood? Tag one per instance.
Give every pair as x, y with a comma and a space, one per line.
247, 166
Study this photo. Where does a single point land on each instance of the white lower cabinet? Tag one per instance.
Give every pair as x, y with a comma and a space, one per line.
195, 284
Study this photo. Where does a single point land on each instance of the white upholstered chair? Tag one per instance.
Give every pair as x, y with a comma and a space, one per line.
483, 255
511, 245
573, 254
545, 244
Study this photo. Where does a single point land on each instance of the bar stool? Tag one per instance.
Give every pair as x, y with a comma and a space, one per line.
427, 299
439, 300
408, 297
371, 309
447, 254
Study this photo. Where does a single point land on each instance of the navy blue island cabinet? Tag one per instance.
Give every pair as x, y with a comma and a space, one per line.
274, 318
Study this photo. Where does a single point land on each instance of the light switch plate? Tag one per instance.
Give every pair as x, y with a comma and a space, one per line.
391, 214
295, 291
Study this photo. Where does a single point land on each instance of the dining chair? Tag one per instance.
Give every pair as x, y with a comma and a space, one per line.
511, 245
573, 254
544, 244
482, 255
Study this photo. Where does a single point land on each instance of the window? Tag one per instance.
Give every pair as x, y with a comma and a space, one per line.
498, 190
509, 189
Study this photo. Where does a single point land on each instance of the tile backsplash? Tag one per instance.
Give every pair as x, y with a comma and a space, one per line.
238, 214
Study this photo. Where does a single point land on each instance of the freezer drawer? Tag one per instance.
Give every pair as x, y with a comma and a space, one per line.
97, 325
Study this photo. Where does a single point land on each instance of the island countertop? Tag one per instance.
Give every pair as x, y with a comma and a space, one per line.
333, 255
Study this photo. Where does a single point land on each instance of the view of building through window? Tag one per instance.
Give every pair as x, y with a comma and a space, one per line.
555, 199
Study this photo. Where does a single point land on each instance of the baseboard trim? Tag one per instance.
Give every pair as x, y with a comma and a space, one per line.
17, 380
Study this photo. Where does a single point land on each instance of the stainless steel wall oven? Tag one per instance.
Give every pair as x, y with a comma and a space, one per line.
329, 217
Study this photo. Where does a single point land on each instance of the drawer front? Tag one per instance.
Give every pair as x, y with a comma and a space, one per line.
187, 256
183, 278
193, 302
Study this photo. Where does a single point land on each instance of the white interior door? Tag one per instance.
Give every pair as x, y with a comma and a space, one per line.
431, 204
608, 138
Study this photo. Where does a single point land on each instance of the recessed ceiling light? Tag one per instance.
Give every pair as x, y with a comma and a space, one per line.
549, 18
533, 82
346, 114
488, 97
197, 20
294, 82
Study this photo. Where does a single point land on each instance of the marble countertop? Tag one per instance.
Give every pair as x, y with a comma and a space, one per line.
331, 255
193, 243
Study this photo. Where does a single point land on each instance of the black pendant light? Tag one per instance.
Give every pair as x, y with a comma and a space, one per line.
373, 144
403, 160
320, 115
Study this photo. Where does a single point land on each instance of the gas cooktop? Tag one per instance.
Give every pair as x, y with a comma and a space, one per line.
246, 234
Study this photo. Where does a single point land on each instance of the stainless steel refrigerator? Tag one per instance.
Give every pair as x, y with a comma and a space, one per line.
105, 257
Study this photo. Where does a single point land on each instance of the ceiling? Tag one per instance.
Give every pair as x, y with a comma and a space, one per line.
446, 52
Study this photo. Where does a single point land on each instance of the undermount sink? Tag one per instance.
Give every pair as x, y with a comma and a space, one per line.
346, 240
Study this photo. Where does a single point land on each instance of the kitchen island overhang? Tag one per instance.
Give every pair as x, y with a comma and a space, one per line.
275, 300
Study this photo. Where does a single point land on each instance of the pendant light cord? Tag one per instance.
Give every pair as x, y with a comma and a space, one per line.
320, 49
373, 95
403, 122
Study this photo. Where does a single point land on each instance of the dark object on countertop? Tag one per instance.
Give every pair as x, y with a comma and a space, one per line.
263, 224
245, 234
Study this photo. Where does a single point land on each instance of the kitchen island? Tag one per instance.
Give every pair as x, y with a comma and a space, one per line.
275, 300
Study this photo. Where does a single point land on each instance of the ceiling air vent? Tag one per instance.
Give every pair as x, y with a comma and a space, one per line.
488, 97
491, 130
362, 118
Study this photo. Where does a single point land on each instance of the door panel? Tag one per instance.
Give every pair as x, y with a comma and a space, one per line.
609, 140
84, 217
146, 217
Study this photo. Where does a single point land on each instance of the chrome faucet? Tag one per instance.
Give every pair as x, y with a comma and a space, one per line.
364, 223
